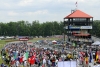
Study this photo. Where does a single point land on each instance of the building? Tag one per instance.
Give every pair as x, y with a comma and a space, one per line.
77, 26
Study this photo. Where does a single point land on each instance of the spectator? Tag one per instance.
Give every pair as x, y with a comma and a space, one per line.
2, 65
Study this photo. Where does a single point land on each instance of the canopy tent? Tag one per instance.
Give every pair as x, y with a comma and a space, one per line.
54, 42
96, 43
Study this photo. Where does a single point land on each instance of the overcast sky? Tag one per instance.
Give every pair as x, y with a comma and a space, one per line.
45, 10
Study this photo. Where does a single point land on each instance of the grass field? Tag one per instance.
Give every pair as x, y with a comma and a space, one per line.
3, 42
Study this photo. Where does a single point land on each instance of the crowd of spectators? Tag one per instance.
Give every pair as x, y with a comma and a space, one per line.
20, 54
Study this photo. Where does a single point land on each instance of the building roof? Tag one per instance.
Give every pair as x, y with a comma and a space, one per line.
78, 14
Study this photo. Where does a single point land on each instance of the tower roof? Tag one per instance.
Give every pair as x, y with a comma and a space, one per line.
78, 14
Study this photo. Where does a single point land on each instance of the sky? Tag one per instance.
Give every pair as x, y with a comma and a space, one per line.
45, 10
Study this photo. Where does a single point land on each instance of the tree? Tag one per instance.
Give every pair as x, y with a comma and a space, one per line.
24, 28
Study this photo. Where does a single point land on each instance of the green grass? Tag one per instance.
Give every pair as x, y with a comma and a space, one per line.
2, 44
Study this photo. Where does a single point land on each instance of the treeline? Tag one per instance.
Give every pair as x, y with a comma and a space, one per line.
24, 28
96, 28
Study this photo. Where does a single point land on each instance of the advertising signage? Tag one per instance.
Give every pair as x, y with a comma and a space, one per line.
86, 27
23, 39
74, 27
79, 27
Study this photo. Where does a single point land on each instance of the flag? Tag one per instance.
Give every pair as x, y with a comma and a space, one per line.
76, 4
96, 55
32, 60
86, 58
21, 59
15, 55
25, 56
90, 57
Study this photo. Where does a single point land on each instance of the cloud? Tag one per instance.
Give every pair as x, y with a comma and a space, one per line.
39, 12
12, 13
25, 2
45, 10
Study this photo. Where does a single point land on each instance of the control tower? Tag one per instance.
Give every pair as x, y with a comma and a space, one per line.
78, 25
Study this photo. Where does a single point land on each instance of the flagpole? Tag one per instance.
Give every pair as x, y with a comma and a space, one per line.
76, 4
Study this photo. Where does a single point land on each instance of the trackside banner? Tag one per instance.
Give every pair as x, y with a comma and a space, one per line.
23, 39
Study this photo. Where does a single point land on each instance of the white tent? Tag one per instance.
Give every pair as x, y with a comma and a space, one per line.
54, 41
96, 43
